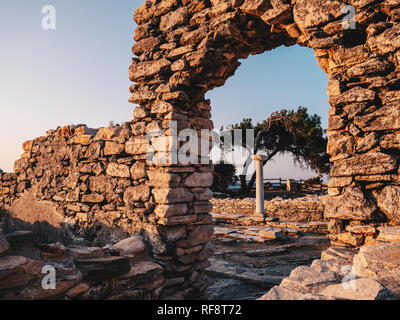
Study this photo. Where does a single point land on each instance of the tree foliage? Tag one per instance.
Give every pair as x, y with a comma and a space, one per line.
287, 131
223, 176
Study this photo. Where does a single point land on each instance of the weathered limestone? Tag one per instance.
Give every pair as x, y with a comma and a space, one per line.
351, 205
359, 289
344, 274
389, 202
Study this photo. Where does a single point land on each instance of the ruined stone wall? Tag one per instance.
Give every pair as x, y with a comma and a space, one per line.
304, 209
84, 177
86, 186
186, 48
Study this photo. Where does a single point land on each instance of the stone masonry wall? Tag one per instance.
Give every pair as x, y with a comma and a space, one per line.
303, 209
86, 186
186, 48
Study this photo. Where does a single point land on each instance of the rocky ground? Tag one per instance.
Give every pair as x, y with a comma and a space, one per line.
278, 260
251, 258
243, 270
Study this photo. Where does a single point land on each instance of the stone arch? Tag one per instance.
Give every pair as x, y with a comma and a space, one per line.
185, 48
194, 46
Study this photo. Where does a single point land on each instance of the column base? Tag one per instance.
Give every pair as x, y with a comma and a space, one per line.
259, 214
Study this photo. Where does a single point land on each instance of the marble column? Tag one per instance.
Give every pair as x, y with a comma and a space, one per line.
260, 211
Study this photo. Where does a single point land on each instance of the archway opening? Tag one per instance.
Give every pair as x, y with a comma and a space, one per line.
284, 78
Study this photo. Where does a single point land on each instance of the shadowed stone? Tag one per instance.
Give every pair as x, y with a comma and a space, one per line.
16, 271
102, 268
389, 202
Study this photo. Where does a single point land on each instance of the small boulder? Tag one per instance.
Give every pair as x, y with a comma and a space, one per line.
130, 246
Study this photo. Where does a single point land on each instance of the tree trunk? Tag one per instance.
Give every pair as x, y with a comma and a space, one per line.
253, 177
242, 183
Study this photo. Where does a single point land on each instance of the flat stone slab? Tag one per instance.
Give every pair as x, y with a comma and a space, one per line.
282, 293
390, 234
305, 278
359, 289
102, 268
226, 216
246, 237
262, 219
236, 271
265, 252
339, 254
222, 231
271, 234
300, 225
142, 270
85, 252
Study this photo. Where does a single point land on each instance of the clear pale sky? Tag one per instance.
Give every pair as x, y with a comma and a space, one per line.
78, 73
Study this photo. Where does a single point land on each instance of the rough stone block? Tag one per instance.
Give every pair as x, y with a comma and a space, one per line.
174, 195
118, 170
138, 193
130, 246
389, 202
365, 164
351, 205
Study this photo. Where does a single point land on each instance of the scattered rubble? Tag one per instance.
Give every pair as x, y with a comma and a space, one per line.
80, 272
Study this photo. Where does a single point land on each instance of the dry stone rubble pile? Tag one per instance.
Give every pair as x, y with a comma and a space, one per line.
122, 271
304, 209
